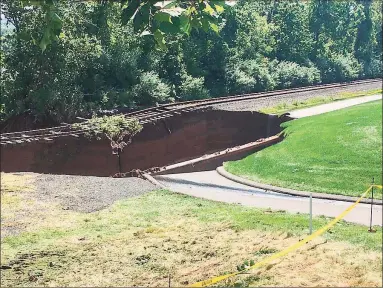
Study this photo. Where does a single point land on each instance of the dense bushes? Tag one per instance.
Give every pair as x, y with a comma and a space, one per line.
372, 68
290, 74
252, 75
339, 68
151, 90
192, 88
246, 76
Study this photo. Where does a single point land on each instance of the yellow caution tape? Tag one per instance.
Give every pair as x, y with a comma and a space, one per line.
287, 250
377, 186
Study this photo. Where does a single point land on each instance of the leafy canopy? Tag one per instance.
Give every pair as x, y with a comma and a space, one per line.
99, 63
153, 18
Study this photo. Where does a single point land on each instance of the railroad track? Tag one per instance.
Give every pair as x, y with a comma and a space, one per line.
161, 112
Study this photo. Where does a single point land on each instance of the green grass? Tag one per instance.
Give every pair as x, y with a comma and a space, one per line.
285, 107
337, 153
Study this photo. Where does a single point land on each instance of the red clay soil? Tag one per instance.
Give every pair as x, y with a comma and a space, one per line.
173, 140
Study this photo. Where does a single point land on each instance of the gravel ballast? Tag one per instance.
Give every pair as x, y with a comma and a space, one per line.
258, 104
89, 193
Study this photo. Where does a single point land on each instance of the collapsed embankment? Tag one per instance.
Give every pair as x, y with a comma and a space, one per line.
165, 142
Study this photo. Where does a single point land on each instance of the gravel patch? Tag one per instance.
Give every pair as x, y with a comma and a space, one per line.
75, 193
89, 193
257, 104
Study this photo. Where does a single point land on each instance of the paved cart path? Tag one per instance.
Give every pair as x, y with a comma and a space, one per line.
336, 105
211, 185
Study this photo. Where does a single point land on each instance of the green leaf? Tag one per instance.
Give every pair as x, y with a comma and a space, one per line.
205, 24
208, 9
196, 23
129, 11
219, 8
44, 43
185, 24
141, 18
162, 17
160, 39
171, 28
214, 27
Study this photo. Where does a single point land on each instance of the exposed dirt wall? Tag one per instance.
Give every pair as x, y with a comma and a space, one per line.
173, 140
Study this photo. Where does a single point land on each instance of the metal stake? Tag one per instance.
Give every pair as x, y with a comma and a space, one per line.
311, 213
372, 201
169, 280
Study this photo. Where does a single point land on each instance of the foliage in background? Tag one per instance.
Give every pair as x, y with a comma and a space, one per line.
97, 56
153, 18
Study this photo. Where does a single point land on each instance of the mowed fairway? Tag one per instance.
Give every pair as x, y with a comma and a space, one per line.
337, 153
140, 241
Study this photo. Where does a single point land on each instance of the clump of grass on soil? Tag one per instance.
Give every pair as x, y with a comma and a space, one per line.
140, 241
285, 107
337, 152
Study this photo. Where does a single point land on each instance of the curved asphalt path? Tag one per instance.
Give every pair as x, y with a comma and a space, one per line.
324, 108
211, 185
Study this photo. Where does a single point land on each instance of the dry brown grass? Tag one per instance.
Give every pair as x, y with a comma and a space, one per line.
189, 252
14, 200
150, 246
23, 211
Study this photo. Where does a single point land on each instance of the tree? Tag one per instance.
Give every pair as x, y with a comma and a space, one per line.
366, 41
293, 38
334, 26
96, 60
149, 17
53, 86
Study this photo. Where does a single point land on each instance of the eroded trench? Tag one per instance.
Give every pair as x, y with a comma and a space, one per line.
176, 139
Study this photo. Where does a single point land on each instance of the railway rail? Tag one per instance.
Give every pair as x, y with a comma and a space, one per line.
161, 112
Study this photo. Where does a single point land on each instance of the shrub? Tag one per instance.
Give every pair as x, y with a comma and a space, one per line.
290, 74
115, 99
151, 90
192, 88
339, 68
115, 128
346, 68
242, 81
250, 76
373, 69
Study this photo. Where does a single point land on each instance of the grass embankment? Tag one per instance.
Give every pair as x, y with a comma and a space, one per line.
140, 241
337, 152
285, 107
